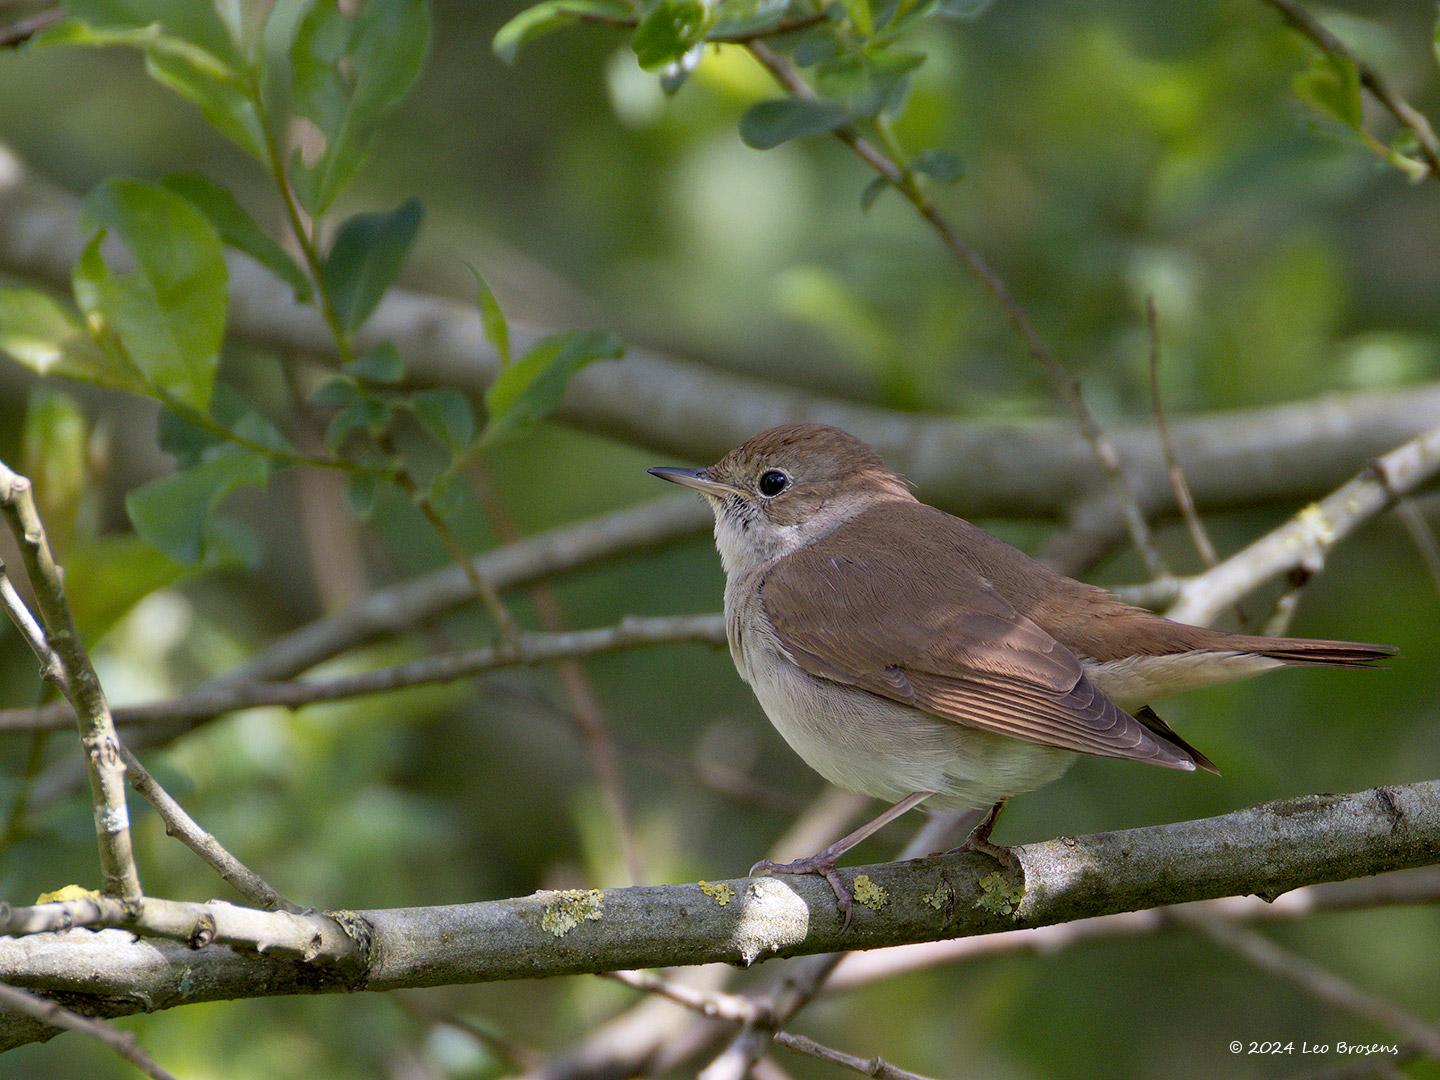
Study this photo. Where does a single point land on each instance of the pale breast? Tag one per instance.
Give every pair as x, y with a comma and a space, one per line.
866, 743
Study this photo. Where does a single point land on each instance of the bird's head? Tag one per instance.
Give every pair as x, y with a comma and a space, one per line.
785, 488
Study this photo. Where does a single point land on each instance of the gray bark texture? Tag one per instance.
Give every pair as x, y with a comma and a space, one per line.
1265, 850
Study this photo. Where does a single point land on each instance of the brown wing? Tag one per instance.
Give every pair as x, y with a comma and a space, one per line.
850, 608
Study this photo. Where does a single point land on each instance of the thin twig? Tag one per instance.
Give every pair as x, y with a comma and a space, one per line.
1421, 535
584, 701
1316, 981
79, 683
1311, 533
1404, 113
531, 649
1178, 484
184, 828
1066, 385
55, 1015
876, 1066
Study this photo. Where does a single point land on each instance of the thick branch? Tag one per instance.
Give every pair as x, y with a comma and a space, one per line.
1266, 850
697, 413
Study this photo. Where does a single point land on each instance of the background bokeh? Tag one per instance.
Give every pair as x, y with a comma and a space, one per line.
1113, 150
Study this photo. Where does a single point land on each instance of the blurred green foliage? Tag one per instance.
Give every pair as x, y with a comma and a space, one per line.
1107, 152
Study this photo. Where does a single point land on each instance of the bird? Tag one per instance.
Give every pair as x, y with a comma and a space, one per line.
907, 654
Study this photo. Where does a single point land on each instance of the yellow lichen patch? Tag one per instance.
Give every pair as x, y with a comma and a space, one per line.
1317, 525
718, 891
998, 895
870, 894
941, 898
67, 892
568, 908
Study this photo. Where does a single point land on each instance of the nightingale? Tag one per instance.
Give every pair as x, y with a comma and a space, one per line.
907, 654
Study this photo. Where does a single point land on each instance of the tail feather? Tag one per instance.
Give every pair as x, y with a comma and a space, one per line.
1316, 653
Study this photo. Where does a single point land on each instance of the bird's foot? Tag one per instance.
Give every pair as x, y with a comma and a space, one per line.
998, 852
822, 864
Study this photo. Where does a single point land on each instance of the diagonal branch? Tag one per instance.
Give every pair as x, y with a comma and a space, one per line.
53, 1015
79, 683
1267, 850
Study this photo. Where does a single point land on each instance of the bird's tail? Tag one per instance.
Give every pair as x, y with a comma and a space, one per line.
1311, 652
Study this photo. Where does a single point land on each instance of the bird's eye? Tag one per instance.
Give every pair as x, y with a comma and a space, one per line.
773, 482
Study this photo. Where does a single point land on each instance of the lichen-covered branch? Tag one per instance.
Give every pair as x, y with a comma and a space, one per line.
1267, 850
696, 413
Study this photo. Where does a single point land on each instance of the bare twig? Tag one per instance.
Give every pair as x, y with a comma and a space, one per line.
183, 827
1315, 980
1067, 386
20, 615
1421, 535
1404, 113
80, 685
875, 1066
52, 1014
1307, 537
1178, 484
584, 701
529, 650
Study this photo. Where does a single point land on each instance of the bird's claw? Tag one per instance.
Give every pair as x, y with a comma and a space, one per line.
825, 868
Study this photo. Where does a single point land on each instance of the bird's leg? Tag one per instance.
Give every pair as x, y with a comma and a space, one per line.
979, 839
823, 862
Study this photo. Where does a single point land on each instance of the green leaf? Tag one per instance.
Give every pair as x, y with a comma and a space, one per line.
363, 414
168, 313
1331, 86
366, 256
337, 392
860, 18
873, 190
492, 318
669, 32
41, 333
548, 17
238, 229
55, 455
447, 415
212, 81
939, 165
381, 364
99, 597
770, 123
346, 75
529, 390
196, 22
871, 83
736, 17
964, 10
360, 491
173, 513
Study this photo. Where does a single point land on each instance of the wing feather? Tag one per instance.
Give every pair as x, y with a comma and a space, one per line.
848, 608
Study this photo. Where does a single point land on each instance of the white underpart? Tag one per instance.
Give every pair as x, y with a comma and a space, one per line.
865, 743
1141, 680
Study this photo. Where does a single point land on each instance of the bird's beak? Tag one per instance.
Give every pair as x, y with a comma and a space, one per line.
698, 479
